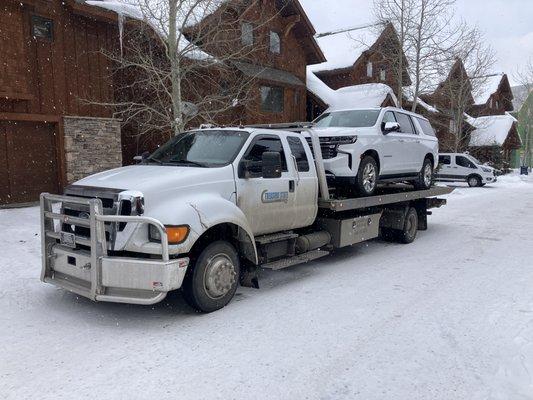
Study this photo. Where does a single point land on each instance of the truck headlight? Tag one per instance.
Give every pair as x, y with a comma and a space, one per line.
486, 170
175, 234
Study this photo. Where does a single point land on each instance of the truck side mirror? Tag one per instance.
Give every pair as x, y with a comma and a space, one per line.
391, 127
271, 167
142, 157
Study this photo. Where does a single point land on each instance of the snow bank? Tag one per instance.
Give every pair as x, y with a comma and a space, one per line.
358, 96
491, 130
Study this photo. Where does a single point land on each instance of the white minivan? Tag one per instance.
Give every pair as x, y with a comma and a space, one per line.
461, 167
362, 147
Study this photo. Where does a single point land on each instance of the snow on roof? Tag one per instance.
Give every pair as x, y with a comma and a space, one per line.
343, 49
358, 96
191, 12
408, 94
488, 88
491, 130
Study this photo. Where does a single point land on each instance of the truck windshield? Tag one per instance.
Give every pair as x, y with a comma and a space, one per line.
207, 149
348, 119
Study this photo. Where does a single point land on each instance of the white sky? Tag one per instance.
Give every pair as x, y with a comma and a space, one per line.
507, 24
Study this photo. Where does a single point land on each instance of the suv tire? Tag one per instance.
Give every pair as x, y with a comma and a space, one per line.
474, 181
367, 176
425, 176
212, 281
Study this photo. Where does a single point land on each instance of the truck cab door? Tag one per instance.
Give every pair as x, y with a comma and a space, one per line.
268, 204
306, 190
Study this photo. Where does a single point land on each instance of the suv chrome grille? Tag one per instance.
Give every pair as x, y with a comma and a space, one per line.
330, 145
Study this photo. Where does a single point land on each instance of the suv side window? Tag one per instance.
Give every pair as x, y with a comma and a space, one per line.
298, 151
426, 127
464, 162
264, 144
445, 160
405, 123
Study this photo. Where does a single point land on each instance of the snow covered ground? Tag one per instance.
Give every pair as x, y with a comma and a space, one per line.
448, 317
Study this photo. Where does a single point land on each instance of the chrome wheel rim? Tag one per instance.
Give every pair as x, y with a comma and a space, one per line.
473, 182
369, 178
428, 175
220, 276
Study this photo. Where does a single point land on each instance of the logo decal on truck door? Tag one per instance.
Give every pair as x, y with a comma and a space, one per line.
274, 197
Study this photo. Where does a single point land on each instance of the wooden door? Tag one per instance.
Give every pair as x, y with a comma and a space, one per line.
28, 162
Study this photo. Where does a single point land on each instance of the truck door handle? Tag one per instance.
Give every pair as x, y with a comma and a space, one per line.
292, 185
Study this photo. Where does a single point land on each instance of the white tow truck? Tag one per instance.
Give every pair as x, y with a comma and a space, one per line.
207, 211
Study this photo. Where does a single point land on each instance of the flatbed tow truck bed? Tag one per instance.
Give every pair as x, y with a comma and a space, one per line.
392, 194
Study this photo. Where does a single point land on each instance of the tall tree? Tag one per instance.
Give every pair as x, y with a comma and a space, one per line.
525, 115
400, 13
176, 62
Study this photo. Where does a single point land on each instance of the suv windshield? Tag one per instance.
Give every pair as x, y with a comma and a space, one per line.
348, 119
207, 149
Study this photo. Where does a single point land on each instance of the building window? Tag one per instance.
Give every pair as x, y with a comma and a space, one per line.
275, 43
272, 99
369, 70
491, 102
247, 34
452, 127
42, 27
383, 74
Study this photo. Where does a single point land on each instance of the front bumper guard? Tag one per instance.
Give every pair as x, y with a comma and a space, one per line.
93, 273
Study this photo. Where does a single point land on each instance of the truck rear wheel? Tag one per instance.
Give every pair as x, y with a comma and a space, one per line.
406, 235
410, 227
212, 282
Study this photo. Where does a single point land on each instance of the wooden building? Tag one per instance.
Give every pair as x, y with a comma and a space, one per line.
50, 72
277, 42
369, 55
494, 97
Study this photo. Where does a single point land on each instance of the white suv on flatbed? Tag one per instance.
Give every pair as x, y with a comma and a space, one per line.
362, 147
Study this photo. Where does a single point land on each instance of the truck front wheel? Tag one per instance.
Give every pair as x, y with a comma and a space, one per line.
212, 281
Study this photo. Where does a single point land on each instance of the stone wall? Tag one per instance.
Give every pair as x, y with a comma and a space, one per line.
91, 145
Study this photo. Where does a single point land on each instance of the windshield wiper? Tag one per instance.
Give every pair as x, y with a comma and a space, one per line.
155, 160
189, 162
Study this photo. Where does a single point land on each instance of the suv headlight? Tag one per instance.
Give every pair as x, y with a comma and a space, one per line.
486, 170
175, 234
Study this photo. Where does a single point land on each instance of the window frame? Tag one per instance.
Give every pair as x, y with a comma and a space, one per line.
270, 35
462, 166
414, 131
284, 161
299, 139
41, 18
251, 32
272, 110
444, 157
369, 69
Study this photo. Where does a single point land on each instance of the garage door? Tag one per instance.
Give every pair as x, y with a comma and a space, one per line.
28, 162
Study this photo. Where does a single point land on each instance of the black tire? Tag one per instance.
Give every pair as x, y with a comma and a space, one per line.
367, 177
410, 227
213, 277
425, 176
474, 181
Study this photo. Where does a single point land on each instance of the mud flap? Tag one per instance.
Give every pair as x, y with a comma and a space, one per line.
250, 276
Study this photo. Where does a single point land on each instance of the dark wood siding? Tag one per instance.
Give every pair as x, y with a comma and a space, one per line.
62, 76
28, 161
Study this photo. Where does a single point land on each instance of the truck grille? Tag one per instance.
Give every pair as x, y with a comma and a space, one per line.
110, 204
